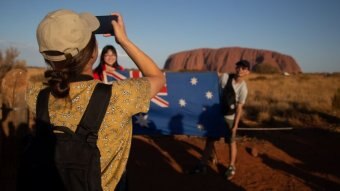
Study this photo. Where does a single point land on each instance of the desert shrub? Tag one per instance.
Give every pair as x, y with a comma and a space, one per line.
10, 61
336, 100
4, 68
263, 116
265, 68
258, 78
305, 77
37, 78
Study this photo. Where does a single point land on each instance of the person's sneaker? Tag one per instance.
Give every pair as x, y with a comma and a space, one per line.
229, 174
199, 169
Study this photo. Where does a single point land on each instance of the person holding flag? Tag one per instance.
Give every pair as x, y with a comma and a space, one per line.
108, 63
234, 92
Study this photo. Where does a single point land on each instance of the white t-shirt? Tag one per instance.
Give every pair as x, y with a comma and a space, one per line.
241, 91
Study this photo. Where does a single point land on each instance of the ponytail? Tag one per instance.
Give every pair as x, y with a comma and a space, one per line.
62, 72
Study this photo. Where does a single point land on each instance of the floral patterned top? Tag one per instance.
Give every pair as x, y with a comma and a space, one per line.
114, 137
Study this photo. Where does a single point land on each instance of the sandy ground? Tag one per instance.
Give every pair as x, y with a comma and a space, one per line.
299, 159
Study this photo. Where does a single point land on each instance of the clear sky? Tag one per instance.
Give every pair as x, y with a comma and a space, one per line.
308, 30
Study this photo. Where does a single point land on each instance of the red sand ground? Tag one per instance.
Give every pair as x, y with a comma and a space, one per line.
299, 159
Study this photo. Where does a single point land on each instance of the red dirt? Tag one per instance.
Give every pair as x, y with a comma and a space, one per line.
299, 159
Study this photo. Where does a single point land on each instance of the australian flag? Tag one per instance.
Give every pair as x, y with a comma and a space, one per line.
188, 104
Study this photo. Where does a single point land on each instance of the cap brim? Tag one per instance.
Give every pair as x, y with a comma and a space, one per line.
91, 20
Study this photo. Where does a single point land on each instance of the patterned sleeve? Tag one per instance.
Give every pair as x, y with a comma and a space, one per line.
133, 95
32, 92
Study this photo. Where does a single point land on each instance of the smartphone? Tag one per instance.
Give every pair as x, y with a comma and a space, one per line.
105, 26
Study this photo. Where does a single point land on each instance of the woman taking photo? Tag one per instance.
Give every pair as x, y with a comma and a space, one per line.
69, 47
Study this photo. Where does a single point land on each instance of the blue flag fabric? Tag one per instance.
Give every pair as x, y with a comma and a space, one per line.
187, 105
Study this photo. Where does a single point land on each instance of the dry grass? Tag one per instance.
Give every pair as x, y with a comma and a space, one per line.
36, 74
304, 100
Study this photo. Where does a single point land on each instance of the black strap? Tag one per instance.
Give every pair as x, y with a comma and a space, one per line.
95, 111
42, 105
230, 80
228, 97
228, 87
93, 115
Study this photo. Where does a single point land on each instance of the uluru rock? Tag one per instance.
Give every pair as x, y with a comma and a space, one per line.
224, 59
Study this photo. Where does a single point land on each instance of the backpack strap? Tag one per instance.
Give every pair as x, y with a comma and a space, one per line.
42, 105
92, 117
94, 114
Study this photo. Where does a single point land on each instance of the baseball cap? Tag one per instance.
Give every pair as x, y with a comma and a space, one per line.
65, 31
243, 63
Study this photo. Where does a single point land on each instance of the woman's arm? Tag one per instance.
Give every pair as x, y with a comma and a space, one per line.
144, 63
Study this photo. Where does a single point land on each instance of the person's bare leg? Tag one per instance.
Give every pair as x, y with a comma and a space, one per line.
232, 159
232, 153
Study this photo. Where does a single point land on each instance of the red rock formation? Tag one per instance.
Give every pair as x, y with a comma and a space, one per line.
224, 59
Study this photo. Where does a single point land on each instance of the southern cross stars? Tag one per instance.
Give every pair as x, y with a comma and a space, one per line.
193, 81
182, 102
142, 120
209, 95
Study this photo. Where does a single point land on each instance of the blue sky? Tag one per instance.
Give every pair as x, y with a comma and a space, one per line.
308, 30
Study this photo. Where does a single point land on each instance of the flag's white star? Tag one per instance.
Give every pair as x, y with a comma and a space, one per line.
182, 102
200, 127
209, 95
142, 120
193, 81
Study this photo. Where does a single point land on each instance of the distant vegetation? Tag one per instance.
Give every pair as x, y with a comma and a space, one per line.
265, 68
304, 100
8, 61
274, 100
336, 100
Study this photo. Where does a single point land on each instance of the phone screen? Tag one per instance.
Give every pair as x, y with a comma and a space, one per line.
105, 24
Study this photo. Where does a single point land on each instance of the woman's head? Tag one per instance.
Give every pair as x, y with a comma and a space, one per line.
68, 45
109, 56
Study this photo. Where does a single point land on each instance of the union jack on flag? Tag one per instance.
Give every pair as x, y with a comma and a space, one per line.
121, 75
188, 104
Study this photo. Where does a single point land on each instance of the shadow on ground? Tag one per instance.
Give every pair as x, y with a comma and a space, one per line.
159, 163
